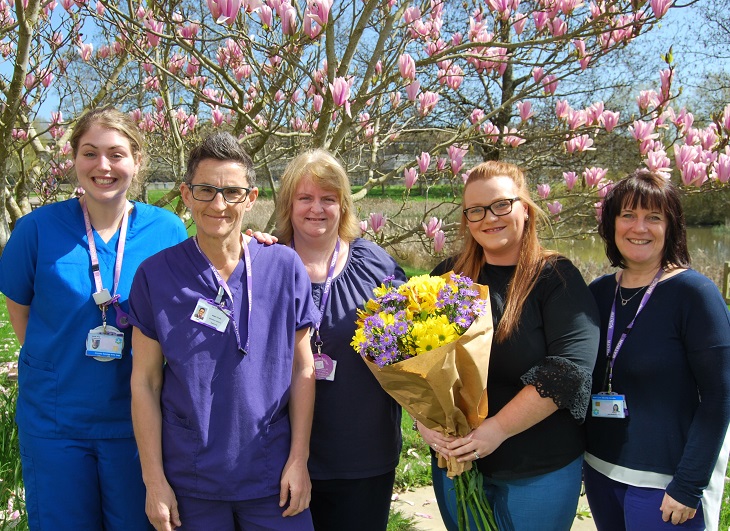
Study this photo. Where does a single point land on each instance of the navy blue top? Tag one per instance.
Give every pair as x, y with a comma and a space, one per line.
554, 349
46, 265
674, 369
356, 428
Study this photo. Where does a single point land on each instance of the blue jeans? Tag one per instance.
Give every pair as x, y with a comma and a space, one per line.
620, 507
547, 502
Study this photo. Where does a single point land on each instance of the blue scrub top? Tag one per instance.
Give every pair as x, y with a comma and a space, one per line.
46, 265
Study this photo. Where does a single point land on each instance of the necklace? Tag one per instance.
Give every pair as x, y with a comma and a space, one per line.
624, 302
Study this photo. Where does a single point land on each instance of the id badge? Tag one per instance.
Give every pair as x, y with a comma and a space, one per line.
324, 367
210, 315
104, 345
609, 405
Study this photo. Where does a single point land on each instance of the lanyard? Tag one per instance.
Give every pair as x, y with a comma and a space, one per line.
325, 293
612, 324
223, 288
122, 317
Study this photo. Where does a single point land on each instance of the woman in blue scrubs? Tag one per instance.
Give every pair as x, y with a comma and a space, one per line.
66, 273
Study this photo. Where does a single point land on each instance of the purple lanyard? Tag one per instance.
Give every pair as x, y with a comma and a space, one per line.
612, 323
326, 292
122, 318
223, 288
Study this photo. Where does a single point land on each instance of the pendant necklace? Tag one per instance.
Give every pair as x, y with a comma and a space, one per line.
624, 302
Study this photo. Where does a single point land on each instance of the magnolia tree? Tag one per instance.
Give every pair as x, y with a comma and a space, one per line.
403, 92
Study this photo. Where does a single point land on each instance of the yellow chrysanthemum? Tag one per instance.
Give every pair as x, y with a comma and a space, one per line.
433, 332
371, 306
358, 339
422, 293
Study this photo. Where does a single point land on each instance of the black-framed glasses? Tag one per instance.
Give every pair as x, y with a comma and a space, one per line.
231, 194
498, 208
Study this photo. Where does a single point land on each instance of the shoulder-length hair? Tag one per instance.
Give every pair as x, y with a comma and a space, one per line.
532, 257
326, 172
651, 191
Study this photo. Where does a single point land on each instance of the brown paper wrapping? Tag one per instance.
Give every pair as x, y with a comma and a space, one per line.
445, 389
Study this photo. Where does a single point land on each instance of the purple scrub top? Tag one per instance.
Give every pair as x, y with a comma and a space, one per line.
225, 421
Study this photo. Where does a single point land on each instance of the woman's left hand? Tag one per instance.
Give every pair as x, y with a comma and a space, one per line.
481, 442
674, 511
262, 237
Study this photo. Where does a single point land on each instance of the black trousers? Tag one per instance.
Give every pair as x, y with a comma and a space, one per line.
352, 504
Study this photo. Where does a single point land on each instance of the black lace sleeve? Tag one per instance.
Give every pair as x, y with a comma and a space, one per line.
568, 384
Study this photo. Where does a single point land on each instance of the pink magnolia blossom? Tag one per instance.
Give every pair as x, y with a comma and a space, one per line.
520, 19
550, 84
604, 187
224, 11
557, 27
665, 78
538, 73
570, 179
427, 102
363, 227
525, 110
576, 119
407, 67
432, 227
288, 17
395, 99
594, 113
340, 90
554, 207
599, 210
424, 161
610, 120
217, 116
85, 51
29, 82
319, 11
693, 174
100, 9
593, 176
647, 99
562, 109
476, 116
722, 168
377, 221
684, 154
456, 154
503, 8
642, 130
411, 176
412, 90
708, 137
660, 7
439, 240
490, 131
266, 15
317, 101
511, 137
56, 118
543, 191
541, 18
579, 143
657, 161
441, 163
154, 28
726, 118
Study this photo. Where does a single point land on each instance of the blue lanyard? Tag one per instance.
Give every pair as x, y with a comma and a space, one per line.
326, 292
611, 355
223, 288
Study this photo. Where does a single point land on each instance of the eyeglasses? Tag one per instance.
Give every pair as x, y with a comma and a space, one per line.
231, 194
498, 208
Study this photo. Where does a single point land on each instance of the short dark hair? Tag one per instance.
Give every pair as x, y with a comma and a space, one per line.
651, 191
220, 146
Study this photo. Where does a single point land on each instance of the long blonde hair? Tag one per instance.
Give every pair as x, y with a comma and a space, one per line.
532, 257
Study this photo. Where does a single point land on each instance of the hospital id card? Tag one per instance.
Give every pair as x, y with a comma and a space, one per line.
609, 405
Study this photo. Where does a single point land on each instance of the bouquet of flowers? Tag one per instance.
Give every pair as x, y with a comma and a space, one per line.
427, 342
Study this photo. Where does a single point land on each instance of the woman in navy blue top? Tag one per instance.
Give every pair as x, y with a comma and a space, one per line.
356, 430
659, 461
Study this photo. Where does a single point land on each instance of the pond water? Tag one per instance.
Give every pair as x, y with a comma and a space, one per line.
706, 245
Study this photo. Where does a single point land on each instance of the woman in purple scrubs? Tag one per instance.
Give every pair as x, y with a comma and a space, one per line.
222, 399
